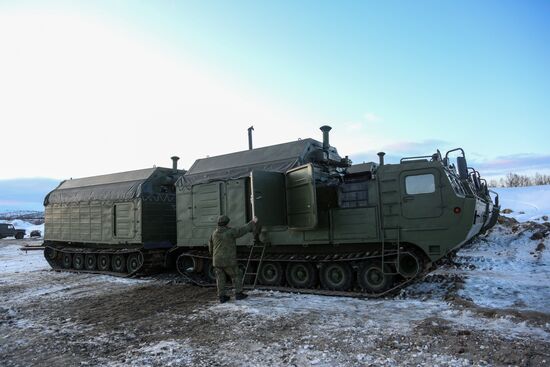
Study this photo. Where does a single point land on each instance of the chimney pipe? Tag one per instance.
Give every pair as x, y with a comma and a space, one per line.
175, 163
250, 129
381, 156
325, 129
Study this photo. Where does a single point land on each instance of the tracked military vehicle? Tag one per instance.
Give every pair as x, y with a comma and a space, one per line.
328, 226
121, 224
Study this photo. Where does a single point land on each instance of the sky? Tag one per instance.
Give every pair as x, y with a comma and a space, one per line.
89, 88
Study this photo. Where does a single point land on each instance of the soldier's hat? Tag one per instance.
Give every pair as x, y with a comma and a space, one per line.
223, 220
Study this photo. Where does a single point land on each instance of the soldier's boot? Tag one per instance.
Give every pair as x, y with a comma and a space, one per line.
240, 295
224, 299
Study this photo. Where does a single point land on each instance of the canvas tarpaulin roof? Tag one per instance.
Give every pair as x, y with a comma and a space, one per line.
274, 158
116, 186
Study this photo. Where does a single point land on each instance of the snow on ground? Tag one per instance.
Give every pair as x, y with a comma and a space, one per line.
488, 306
527, 203
104, 320
505, 270
13, 260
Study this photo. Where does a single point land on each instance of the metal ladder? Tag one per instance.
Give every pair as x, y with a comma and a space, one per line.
390, 247
256, 245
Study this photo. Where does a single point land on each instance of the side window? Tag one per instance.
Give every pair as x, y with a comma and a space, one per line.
420, 184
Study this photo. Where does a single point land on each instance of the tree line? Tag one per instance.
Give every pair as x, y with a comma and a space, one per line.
515, 180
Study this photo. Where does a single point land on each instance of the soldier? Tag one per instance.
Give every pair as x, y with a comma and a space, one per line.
223, 250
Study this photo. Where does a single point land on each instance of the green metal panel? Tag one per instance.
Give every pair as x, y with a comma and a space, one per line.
199, 206
427, 203
301, 198
355, 224
268, 197
84, 223
158, 220
236, 201
184, 213
93, 222
124, 220
206, 204
107, 222
321, 233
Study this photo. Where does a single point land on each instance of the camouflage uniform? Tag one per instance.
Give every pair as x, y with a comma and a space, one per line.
223, 249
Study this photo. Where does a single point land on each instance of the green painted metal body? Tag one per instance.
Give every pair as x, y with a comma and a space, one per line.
322, 206
119, 210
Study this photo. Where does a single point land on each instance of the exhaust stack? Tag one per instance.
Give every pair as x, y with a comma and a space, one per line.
325, 129
250, 129
175, 160
381, 158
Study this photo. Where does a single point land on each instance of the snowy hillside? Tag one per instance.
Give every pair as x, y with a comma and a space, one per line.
526, 203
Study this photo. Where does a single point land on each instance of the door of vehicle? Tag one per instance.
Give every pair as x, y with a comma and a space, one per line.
268, 197
421, 194
123, 220
301, 200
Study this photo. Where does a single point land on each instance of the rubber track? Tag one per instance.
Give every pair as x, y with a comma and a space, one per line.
147, 267
199, 279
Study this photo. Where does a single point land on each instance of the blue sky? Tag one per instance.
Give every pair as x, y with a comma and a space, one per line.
124, 85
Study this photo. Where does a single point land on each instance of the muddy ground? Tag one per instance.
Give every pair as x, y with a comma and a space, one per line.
65, 319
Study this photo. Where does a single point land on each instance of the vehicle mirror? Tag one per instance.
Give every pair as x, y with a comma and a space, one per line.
462, 168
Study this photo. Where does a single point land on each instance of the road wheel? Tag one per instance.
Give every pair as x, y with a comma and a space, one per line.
67, 260
118, 263
103, 262
90, 261
50, 253
186, 264
373, 279
134, 262
336, 276
271, 273
209, 272
409, 265
19, 236
78, 261
248, 279
301, 275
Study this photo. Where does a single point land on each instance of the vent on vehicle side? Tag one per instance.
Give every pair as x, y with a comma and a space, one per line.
434, 250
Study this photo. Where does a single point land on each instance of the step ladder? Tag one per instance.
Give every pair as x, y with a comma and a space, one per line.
256, 247
391, 248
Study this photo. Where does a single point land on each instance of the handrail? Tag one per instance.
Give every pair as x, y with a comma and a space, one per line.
496, 197
420, 156
454, 150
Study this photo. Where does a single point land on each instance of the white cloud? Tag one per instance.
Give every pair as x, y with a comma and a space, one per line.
371, 117
354, 126
80, 97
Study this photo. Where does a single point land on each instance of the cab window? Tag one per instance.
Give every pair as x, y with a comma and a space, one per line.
420, 184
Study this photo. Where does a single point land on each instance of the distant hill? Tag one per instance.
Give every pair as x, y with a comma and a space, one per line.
30, 216
25, 194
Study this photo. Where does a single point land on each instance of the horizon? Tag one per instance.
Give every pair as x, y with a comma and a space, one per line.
102, 87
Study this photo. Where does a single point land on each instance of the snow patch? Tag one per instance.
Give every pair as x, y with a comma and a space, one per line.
528, 203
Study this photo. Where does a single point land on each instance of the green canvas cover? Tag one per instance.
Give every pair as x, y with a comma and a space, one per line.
274, 158
114, 187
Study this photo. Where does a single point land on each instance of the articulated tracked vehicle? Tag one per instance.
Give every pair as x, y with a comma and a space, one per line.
328, 226
120, 224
